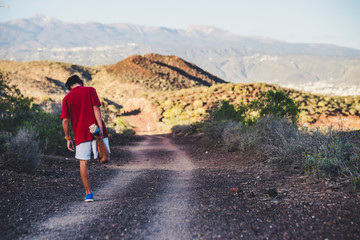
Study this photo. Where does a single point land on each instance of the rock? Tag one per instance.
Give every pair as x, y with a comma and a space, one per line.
234, 190
272, 192
286, 236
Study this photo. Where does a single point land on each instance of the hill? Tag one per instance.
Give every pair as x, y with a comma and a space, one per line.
162, 72
168, 88
43, 79
318, 68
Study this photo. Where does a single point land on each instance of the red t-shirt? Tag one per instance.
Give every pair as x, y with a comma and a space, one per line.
78, 106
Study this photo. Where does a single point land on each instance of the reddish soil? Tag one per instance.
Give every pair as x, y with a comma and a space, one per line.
338, 122
144, 117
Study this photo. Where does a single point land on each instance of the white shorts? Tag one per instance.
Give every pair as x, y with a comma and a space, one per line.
83, 150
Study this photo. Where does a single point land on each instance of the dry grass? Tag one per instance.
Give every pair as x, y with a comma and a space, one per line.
22, 152
321, 153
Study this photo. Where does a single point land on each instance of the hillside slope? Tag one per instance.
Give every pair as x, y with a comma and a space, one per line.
162, 72
128, 78
178, 91
43, 79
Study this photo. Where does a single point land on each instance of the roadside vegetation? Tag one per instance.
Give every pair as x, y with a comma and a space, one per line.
267, 129
28, 130
187, 104
192, 105
260, 119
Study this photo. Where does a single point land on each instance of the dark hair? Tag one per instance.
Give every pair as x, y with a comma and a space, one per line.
73, 80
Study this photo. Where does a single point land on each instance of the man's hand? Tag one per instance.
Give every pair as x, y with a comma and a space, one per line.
97, 113
70, 145
101, 134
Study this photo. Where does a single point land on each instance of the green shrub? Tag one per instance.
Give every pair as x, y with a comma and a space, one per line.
214, 131
4, 140
181, 129
173, 114
22, 153
277, 103
187, 129
356, 182
224, 112
14, 107
128, 133
168, 104
48, 128
334, 159
120, 124
17, 112
198, 104
237, 137
279, 142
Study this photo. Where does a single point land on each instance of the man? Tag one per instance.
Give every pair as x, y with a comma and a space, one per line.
82, 106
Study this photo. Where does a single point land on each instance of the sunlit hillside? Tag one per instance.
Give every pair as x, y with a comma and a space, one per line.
176, 91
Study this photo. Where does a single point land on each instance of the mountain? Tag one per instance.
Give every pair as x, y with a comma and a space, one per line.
320, 68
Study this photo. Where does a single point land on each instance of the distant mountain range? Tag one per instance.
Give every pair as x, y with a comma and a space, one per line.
319, 68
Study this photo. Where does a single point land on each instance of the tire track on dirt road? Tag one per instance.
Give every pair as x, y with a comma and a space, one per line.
67, 224
172, 208
148, 198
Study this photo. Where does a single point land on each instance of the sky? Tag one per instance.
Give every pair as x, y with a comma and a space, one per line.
296, 21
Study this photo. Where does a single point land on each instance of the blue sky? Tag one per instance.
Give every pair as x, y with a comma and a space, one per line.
307, 21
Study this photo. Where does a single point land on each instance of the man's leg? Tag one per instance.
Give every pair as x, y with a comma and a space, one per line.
84, 173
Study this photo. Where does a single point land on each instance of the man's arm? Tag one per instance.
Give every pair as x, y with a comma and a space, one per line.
70, 144
98, 118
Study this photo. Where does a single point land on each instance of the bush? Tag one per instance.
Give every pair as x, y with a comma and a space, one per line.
14, 107
335, 159
321, 153
272, 139
279, 142
225, 112
17, 111
120, 126
214, 131
22, 153
187, 129
237, 137
48, 128
277, 103
128, 133
4, 140
181, 129
275, 131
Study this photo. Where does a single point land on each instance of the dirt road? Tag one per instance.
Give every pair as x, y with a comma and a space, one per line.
148, 199
185, 191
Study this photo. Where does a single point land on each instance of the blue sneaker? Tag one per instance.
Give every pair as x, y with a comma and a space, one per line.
89, 197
